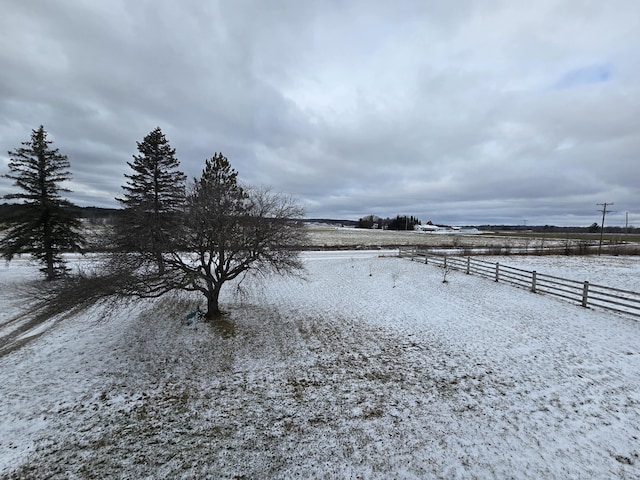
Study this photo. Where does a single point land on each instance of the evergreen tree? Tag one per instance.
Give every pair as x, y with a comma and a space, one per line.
46, 225
153, 200
403, 222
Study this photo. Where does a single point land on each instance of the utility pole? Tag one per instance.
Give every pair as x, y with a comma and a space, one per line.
626, 225
604, 212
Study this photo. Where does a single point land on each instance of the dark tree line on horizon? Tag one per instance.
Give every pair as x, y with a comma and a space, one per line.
400, 222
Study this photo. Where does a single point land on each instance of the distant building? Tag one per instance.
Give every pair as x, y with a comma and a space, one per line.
431, 228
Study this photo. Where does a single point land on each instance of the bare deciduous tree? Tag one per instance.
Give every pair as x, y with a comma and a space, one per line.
264, 237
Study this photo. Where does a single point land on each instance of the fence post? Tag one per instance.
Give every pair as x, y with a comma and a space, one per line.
585, 294
533, 281
426, 258
468, 265
444, 262
497, 271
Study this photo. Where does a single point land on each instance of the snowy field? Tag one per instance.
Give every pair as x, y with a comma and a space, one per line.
609, 270
343, 237
371, 367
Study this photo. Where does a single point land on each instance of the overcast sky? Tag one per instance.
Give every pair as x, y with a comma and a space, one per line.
459, 112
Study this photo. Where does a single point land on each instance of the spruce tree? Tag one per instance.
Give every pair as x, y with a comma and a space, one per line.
46, 225
153, 200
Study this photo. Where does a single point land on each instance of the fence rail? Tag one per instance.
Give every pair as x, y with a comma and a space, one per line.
583, 293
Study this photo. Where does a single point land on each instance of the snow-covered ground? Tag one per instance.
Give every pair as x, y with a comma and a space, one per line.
370, 367
609, 270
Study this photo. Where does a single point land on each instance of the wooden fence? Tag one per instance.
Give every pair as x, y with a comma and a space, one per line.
583, 293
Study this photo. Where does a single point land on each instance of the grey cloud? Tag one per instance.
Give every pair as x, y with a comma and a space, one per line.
445, 110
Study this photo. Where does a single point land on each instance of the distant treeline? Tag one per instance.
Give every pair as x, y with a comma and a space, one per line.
92, 214
406, 222
593, 228
400, 222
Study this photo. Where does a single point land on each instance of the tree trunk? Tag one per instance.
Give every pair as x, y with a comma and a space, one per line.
213, 307
160, 262
51, 272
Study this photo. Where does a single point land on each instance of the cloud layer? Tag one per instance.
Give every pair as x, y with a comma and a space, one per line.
459, 112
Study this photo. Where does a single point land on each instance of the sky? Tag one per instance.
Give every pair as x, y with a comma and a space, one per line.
460, 112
